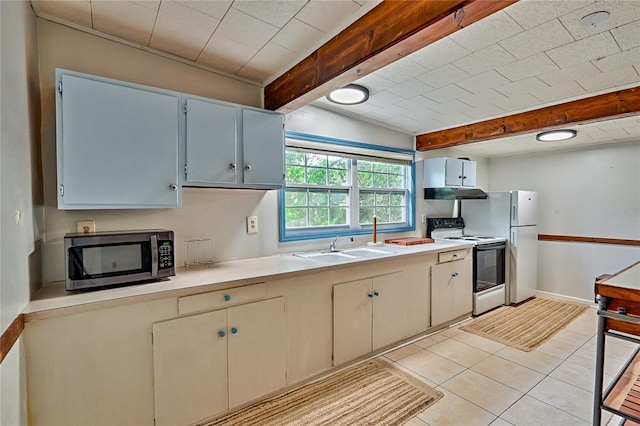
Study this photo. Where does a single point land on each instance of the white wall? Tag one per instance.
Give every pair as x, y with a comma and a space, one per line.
592, 192
218, 214
19, 192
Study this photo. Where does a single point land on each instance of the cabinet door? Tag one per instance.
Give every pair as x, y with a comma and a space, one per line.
211, 143
463, 287
352, 321
257, 350
263, 148
190, 368
453, 172
469, 173
400, 308
117, 145
451, 290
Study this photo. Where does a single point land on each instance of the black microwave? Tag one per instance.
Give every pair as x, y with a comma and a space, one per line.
102, 259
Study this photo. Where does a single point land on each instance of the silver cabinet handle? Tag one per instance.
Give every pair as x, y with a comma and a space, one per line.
248, 167
232, 166
173, 187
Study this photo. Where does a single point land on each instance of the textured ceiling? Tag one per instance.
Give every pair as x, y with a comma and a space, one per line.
531, 54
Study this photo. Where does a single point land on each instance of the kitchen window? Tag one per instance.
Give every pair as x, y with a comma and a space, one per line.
335, 187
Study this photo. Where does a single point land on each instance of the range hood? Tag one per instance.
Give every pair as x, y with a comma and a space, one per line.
454, 194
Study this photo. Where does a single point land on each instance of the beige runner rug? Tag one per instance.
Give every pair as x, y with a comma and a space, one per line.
372, 393
528, 325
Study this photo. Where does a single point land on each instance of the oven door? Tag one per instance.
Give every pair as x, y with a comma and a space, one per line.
488, 265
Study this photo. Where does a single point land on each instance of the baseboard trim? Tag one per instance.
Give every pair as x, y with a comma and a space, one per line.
10, 336
557, 296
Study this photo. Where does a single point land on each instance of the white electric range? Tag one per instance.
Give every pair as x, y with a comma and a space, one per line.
488, 261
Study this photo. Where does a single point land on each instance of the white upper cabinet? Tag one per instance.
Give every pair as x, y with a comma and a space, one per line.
449, 172
233, 146
117, 144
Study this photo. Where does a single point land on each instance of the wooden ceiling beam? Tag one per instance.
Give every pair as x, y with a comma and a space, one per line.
608, 106
388, 32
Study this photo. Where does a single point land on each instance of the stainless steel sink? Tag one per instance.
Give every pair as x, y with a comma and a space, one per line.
343, 256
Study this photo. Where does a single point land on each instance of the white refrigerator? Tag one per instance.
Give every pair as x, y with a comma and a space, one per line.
512, 215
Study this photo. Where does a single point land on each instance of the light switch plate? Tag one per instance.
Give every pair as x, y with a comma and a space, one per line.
252, 224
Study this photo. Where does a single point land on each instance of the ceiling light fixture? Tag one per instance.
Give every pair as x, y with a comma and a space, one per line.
593, 19
351, 94
556, 135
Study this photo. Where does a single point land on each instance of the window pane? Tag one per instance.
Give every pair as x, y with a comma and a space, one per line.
365, 179
293, 157
382, 214
366, 215
395, 169
318, 198
396, 181
317, 160
383, 199
397, 214
337, 177
295, 198
380, 167
365, 166
380, 181
339, 198
338, 216
295, 174
337, 162
316, 176
295, 217
397, 200
318, 216
367, 198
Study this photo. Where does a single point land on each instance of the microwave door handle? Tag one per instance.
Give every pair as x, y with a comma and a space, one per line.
154, 256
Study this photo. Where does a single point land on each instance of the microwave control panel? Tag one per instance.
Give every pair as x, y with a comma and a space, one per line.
165, 254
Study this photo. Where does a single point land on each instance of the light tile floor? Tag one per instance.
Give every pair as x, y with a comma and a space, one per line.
488, 383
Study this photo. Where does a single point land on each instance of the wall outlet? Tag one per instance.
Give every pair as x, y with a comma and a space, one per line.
424, 218
86, 226
252, 224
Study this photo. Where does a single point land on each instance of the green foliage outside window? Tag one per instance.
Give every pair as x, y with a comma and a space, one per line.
319, 191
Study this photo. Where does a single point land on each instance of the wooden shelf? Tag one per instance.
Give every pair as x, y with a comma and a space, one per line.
625, 394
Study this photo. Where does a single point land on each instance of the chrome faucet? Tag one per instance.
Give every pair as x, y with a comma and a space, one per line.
332, 244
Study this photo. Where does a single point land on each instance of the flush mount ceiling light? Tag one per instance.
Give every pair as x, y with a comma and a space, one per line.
351, 94
593, 19
556, 135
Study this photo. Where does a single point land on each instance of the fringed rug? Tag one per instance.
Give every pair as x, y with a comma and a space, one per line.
528, 325
372, 393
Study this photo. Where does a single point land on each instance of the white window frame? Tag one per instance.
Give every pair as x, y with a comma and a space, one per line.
353, 151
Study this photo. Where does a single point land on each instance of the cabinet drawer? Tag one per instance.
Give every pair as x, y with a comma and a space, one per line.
448, 256
221, 298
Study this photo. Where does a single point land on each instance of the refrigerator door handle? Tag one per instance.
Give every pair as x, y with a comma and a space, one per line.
513, 213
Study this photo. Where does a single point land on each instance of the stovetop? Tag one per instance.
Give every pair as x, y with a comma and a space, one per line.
480, 239
452, 229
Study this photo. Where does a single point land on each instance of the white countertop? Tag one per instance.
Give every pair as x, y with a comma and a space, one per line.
53, 297
627, 278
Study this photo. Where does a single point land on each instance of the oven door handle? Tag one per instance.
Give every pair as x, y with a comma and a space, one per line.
490, 246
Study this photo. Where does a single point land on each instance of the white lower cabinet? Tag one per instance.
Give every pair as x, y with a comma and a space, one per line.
207, 363
372, 313
451, 290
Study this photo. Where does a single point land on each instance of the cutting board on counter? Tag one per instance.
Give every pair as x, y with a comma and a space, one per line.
409, 241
